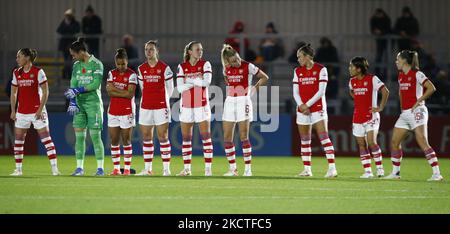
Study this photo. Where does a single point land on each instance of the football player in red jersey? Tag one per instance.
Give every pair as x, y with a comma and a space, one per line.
414, 89
121, 88
193, 79
364, 88
29, 89
238, 105
156, 83
309, 86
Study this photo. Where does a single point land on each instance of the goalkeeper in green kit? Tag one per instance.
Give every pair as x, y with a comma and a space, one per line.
86, 104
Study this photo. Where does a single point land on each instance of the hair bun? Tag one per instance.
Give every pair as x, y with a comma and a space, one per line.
81, 40
121, 51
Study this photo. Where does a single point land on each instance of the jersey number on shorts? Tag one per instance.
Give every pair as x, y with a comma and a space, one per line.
419, 116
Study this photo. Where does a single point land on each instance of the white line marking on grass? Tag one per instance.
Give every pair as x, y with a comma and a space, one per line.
212, 197
215, 187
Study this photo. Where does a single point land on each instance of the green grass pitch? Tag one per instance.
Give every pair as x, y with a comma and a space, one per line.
272, 189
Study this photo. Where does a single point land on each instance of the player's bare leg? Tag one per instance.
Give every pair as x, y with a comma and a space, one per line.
244, 128
375, 150
398, 136
46, 139
186, 132
165, 146
127, 149
305, 137
114, 134
147, 149
19, 141
364, 157
230, 151
422, 140
205, 133
321, 128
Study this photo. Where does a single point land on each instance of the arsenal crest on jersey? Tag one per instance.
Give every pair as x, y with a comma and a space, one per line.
158, 71
241, 71
31, 75
314, 73
365, 83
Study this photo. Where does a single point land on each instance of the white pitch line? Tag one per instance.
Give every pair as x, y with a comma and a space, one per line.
28, 197
216, 187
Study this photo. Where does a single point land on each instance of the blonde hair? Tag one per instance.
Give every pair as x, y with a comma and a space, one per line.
411, 57
188, 47
155, 43
227, 52
27, 52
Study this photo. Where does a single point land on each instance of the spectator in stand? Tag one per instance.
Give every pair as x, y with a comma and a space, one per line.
380, 26
132, 51
271, 48
442, 84
327, 55
426, 60
128, 45
235, 42
91, 26
407, 27
67, 30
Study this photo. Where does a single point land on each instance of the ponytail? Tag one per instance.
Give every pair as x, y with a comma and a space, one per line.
415, 61
188, 47
411, 57
227, 52
31, 53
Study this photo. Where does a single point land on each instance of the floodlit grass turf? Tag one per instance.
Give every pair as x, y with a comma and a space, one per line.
272, 189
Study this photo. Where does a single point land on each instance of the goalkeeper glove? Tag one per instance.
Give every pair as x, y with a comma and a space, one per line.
73, 92
73, 107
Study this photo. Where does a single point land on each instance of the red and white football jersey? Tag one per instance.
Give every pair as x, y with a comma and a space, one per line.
153, 85
240, 79
29, 90
120, 105
308, 84
365, 96
196, 96
411, 87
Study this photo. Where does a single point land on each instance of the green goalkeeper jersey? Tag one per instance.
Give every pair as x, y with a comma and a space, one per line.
88, 75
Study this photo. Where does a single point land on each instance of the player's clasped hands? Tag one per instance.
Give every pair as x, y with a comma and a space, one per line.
304, 109
73, 107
